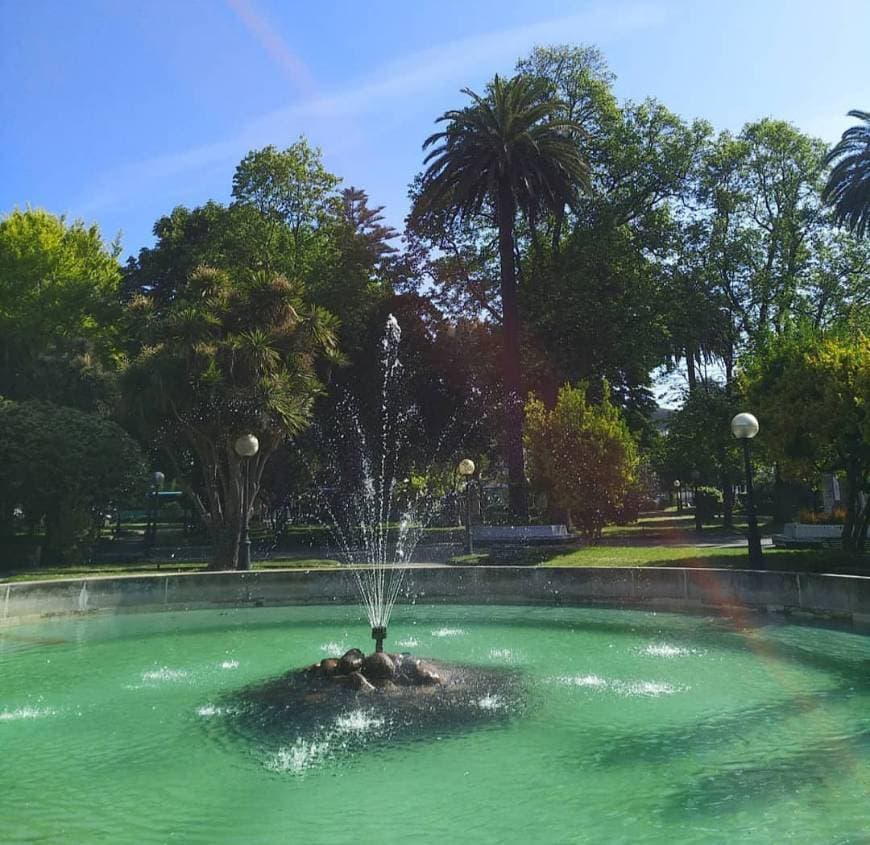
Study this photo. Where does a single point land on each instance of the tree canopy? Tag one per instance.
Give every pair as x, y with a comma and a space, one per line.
60, 332
812, 395
558, 235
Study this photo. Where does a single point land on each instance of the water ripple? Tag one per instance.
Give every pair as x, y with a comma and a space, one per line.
448, 632
25, 713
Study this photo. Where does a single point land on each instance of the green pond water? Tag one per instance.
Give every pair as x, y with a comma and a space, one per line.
637, 727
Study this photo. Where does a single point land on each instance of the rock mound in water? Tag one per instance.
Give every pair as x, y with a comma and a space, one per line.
404, 698
379, 670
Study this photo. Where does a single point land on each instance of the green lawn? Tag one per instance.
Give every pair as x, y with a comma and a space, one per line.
152, 567
797, 560
670, 524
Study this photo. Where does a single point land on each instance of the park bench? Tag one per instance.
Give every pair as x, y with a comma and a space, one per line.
511, 543
800, 535
523, 534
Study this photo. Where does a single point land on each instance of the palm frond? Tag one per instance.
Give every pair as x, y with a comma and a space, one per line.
517, 135
848, 187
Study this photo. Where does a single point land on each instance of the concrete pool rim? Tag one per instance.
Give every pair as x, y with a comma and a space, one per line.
796, 596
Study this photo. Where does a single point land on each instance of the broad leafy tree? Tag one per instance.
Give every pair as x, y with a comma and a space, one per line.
601, 301
812, 395
286, 217
355, 268
60, 326
212, 235
836, 289
295, 194
699, 440
513, 150
760, 217
63, 468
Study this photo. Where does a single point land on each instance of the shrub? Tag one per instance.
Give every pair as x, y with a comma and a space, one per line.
708, 503
784, 500
837, 516
634, 502
583, 456
65, 468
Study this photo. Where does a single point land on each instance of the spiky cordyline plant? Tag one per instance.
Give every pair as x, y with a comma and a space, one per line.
234, 354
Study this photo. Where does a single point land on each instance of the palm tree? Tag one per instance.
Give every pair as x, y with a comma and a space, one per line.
848, 187
514, 149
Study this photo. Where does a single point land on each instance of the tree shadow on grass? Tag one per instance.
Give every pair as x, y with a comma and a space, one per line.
843, 563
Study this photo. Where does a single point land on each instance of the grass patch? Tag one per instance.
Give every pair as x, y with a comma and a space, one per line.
470, 560
781, 560
151, 568
673, 525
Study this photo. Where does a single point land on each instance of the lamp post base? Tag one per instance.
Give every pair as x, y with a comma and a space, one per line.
245, 554
753, 536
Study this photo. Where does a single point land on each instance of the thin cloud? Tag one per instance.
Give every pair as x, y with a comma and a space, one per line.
447, 64
270, 39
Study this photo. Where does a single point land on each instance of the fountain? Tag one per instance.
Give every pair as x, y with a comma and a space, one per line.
544, 718
360, 518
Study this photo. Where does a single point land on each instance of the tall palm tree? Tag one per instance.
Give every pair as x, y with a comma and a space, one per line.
848, 187
513, 149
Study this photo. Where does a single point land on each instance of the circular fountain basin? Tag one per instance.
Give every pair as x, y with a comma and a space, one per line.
620, 725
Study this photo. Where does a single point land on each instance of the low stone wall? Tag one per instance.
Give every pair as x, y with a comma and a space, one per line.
840, 597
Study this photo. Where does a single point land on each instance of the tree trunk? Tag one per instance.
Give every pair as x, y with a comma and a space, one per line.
852, 518
780, 510
518, 498
557, 232
727, 504
863, 525
60, 544
690, 369
225, 547
223, 484
728, 360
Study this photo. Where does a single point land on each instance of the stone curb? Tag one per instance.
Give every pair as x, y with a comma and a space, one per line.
804, 596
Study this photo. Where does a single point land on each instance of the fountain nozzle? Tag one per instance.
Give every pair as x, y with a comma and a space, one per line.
379, 634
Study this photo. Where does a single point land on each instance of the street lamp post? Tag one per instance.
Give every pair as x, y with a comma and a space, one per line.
466, 469
246, 447
696, 477
679, 497
157, 480
744, 427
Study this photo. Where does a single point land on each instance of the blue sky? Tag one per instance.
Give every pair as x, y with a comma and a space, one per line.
118, 111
